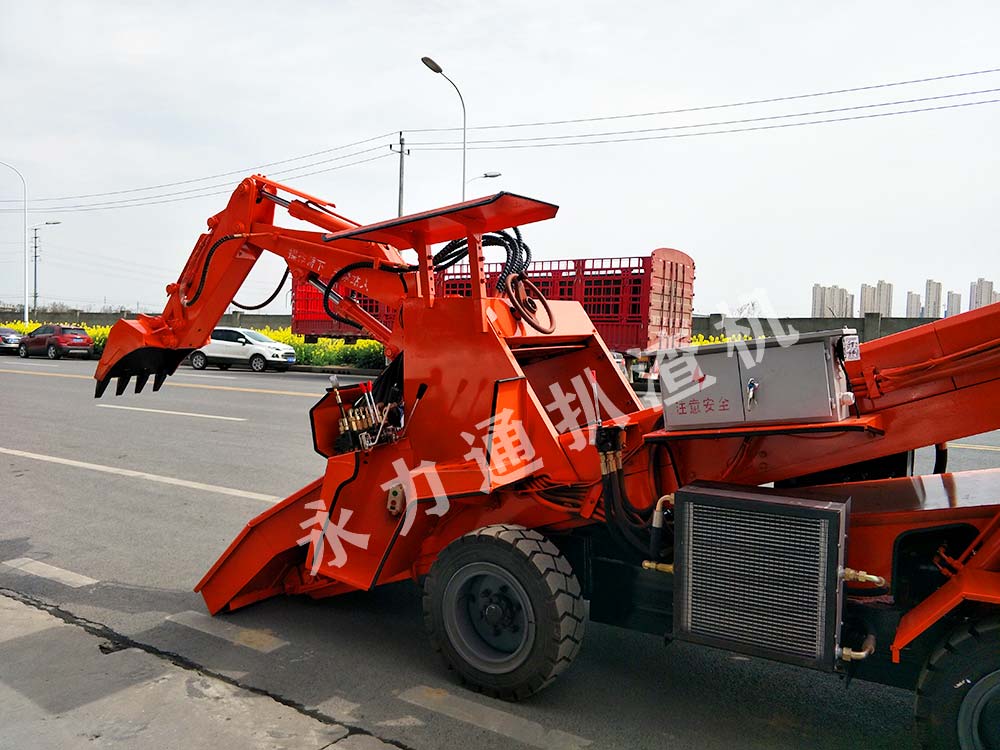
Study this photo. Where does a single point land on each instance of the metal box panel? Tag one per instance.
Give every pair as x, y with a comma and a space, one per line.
797, 382
710, 396
794, 384
758, 572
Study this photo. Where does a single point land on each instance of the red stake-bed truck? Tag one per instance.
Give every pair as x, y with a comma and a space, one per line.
637, 304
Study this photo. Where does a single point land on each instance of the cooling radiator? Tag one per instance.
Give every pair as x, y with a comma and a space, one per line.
758, 571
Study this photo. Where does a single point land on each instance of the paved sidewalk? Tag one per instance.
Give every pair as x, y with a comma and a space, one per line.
64, 687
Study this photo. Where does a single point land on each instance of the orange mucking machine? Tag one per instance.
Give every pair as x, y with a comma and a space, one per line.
765, 504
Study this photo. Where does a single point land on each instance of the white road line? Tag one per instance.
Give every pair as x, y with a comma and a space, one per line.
973, 447
196, 375
44, 570
504, 723
258, 640
176, 413
144, 475
34, 364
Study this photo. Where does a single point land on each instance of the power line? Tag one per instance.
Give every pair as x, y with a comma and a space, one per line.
122, 201
704, 108
102, 207
712, 132
714, 124
213, 176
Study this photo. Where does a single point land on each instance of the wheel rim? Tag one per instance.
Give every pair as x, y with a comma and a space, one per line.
257, 364
979, 715
488, 618
22, 351
198, 361
52, 352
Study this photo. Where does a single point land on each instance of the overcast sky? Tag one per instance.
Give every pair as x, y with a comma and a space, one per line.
112, 96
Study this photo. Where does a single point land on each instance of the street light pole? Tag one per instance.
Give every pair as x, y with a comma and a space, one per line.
438, 69
24, 232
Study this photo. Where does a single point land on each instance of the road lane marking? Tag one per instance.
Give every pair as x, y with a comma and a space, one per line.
36, 364
258, 640
198, 375
973, 447
177, 413
501, 722
44, 570
144, 475
174, 385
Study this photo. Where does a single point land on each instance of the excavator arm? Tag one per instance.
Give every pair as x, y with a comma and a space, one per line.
154, 345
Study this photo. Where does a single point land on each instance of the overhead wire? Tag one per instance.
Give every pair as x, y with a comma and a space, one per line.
716, 123
706, 132
705, 108
227, 191
213, 176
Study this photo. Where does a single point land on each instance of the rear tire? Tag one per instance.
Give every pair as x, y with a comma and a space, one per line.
258, 363
22, 351
199, 361
958, 693
504, 609
53, 352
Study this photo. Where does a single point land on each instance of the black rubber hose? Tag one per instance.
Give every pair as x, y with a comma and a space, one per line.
270, 299
208, 260
622, 535
330, 313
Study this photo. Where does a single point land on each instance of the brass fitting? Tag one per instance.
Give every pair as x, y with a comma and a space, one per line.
867, 649
862, 576
657, 566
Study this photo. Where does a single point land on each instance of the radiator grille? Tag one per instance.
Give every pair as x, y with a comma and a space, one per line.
759, 576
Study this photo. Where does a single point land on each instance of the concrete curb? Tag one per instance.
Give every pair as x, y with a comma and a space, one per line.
333, 370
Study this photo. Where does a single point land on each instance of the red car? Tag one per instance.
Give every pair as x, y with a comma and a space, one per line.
55, 341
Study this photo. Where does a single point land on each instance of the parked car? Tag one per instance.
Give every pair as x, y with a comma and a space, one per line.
56, 341
9, 339
242, 346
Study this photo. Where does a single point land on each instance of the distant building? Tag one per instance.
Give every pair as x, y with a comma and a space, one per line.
954, 304
932, 299
912, 305
996, 297
980, 293
877, 298
832, 302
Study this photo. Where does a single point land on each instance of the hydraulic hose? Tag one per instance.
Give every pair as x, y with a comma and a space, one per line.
270, 299
208, 259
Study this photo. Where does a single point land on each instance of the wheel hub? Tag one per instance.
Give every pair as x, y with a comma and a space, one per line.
979, 715
488, 618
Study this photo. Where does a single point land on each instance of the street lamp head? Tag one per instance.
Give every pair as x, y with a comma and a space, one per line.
432, 65
53, 222
490, 175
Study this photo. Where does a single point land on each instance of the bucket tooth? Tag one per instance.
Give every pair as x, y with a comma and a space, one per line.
102, 386
158, 379
123, 381
140, 381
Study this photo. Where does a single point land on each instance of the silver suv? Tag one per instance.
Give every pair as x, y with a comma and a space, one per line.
242, 346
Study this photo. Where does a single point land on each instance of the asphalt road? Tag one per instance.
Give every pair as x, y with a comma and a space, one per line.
136, 505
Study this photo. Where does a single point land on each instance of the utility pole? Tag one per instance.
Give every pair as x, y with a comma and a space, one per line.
35, 229
34, 298
403, 152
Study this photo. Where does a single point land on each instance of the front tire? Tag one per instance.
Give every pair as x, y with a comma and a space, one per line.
22, 351
504, 609
258, 363
199, 361
958, 693
53, 352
